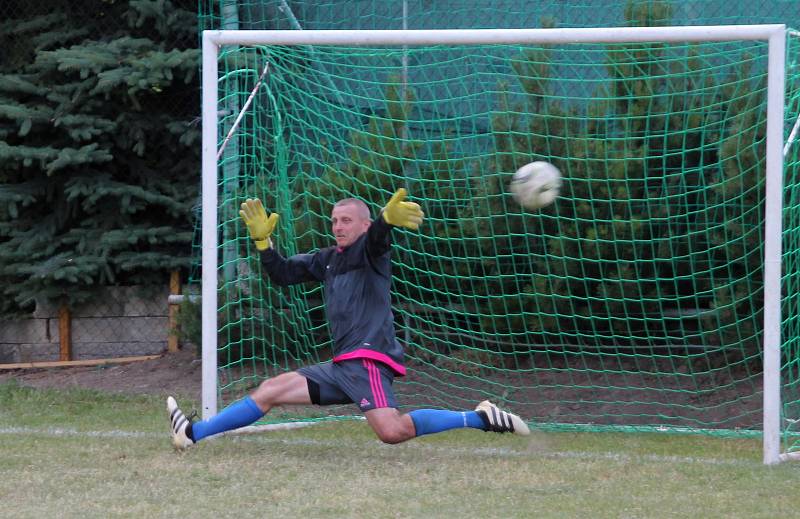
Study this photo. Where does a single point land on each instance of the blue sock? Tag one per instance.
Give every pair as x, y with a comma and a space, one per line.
429, 421
238, 414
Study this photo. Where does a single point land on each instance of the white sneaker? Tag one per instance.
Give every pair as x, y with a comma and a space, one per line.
178, 425
500, 421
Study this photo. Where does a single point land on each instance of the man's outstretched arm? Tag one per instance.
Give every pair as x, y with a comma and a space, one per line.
297, 269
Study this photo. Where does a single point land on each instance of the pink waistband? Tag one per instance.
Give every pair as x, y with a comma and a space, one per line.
399, 369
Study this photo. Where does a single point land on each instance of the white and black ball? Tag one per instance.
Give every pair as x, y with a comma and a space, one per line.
536, 185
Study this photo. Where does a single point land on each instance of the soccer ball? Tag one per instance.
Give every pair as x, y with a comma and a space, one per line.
536, 185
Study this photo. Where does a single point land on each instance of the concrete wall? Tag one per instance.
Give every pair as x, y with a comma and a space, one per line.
126, 321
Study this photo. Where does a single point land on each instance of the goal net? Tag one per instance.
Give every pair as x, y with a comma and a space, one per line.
647, 297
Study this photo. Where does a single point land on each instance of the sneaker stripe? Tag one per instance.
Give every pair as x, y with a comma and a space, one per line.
178, 419
182, 420
500, 420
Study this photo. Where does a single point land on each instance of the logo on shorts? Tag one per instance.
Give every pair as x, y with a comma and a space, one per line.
364, 402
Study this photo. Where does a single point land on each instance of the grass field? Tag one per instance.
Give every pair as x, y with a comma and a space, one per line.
86, 454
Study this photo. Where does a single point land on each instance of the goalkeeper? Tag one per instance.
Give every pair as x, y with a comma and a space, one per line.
356, 274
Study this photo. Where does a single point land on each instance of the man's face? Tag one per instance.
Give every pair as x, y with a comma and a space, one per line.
348, 223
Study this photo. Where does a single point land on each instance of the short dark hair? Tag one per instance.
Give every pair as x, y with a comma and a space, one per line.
363, 208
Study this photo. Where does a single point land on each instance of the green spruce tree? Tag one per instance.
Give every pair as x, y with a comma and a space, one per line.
98, 150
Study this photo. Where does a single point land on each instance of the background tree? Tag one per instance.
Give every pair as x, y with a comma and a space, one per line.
99, 154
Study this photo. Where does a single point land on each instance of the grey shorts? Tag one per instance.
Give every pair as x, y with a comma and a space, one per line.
364, 382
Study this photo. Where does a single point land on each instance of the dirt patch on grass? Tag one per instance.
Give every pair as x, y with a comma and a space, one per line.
622, 397
172, 373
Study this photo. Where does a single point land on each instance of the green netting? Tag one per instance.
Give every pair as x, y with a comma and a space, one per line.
634, 302
507, 14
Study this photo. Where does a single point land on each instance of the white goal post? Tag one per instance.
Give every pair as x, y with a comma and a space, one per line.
775, 35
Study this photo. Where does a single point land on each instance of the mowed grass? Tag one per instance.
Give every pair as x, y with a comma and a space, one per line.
87, 454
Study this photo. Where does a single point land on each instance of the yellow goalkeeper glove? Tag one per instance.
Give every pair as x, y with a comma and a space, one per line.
400, 213
257, 222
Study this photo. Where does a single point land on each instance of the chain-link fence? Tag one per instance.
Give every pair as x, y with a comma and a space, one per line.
124, 321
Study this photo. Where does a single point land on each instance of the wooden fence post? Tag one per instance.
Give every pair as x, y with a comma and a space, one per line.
174, 289
64, 333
